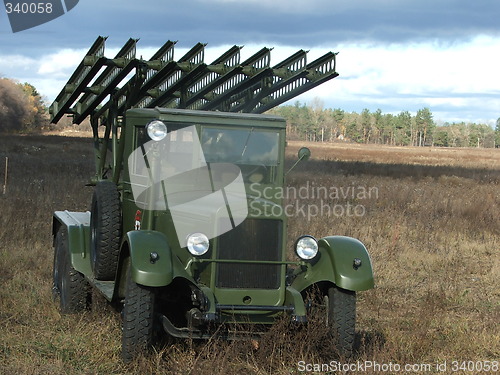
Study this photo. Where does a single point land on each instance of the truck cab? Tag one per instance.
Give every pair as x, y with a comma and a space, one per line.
192, 177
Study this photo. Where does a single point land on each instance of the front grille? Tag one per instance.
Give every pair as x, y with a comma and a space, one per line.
253, 240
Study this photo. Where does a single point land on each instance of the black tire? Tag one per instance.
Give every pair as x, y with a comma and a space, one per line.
341, 318
105, 227
138, 320
69, 286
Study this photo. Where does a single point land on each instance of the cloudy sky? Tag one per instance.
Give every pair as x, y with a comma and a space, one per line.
393, 54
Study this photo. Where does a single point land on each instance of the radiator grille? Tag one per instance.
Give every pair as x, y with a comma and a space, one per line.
251, 240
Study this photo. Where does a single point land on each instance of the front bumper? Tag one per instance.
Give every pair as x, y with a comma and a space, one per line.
227, 321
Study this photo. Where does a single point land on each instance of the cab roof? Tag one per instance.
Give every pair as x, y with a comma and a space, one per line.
207, 117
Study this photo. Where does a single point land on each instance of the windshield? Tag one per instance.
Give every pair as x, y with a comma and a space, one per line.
240, 146
254, 151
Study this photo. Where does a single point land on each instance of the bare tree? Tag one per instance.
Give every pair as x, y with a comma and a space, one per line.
14, 106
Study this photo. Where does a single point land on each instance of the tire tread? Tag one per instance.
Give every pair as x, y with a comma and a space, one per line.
343, 322
107, 243
138, 320
77, 287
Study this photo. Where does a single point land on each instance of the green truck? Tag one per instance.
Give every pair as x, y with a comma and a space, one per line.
180, 235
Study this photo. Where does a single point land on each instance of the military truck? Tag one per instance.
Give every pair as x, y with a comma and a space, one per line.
180, 235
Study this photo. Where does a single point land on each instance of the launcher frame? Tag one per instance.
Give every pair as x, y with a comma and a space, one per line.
226, 85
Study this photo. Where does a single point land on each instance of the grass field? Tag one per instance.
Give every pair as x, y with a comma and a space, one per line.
431, 223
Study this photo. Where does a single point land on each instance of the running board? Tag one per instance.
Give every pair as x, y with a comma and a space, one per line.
107, 288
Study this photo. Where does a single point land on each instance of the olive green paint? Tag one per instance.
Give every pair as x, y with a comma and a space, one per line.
334, 263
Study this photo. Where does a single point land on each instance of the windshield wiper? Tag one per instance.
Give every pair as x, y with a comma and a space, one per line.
246, 143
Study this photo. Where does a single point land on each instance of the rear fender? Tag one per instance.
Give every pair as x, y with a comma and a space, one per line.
77, 225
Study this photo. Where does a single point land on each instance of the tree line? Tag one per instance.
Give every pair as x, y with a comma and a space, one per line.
23, 109
314, 123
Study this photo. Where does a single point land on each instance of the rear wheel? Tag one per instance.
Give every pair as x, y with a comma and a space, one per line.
138, 319
105, 227
69, 286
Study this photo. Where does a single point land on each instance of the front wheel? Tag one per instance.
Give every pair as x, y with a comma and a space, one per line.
341, 318
138, 319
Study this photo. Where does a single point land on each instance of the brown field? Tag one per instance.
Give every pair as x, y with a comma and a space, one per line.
429, 217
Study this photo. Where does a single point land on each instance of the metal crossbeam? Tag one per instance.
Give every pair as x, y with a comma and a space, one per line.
79, 80
252, 96
317, 72
236, 81
115, 72
226, 84
208, 80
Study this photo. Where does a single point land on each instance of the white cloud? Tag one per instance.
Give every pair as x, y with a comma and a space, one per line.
461, 77
20, 63
60, 64
424, 68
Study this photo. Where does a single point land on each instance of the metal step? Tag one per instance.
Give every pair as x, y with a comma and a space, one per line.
107, 288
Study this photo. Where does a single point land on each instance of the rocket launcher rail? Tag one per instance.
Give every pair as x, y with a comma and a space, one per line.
224, 85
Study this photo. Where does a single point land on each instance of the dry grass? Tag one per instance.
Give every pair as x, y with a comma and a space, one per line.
433, 156
433, 231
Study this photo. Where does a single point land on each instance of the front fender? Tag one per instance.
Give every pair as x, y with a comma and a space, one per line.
144, 271
343, 251
335, 263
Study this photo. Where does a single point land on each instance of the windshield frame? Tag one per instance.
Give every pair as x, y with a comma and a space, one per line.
273, 174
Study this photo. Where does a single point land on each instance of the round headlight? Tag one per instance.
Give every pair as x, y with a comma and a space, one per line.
197, 243
157, 130
306, 247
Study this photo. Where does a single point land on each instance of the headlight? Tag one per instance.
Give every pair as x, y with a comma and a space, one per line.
306, 247
157, 130
197, 244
